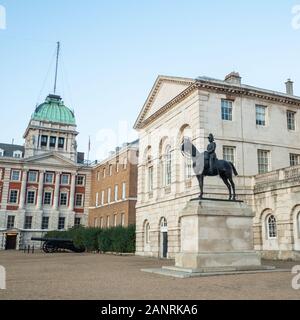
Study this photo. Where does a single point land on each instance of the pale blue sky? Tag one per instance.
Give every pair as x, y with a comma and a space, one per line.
114, 50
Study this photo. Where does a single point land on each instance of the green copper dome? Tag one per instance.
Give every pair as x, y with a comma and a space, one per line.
54, 110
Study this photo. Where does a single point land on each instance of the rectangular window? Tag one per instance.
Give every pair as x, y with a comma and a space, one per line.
63, 198
261, 115
229, 154
101, 223
32, 176
13, 196
65, 179
79, 200
226, 110
125, 164
52, 142
117, 167
115, 220
97, 199
45, 223
44, 141
291, 120
61, 143
123, 191
123, 219
61, 223
28, 222
150, 179
108, 195
110, 170
47, 198
30, 197
77, 222
15, 175
104, 173
49, 177
80, 180
107, 222
294, 159
116, 193
263, 161
102, 198
10, 222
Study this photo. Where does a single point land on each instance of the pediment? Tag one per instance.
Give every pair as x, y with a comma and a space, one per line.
164, 90
50, 159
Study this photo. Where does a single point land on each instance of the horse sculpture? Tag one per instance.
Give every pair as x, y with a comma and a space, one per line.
222, 168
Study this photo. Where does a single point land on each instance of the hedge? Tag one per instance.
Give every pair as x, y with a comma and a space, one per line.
117, 239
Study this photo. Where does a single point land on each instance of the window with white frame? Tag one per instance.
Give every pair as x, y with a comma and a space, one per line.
116, 192
115, 220
28, 222
150, 179
79, 200
108, 195
261, 115
10, 222
102, 197
61, 223
65, 179
226, 108
32, 176
13, 196
97, 199
17, 154
123, 190
294, 159
15, 175
271, 227
80, 180
168, 166
263, 161
229, 154
63, 201
49, 177
47, 198
77, 222
31, 197
45, 223
122, 219
291, 120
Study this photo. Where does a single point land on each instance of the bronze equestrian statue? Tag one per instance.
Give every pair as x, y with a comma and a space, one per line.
206, 164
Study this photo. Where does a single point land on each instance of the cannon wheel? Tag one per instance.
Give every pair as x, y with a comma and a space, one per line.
48, 247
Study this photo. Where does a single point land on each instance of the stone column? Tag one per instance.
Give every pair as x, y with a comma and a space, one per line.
56, 191
72, 192
40, 190
23, 189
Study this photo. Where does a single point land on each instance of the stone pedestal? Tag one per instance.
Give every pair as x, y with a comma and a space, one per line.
217, 235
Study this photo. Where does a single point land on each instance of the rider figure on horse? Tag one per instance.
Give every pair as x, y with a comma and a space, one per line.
211, 153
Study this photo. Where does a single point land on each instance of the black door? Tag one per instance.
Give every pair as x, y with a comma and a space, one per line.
165, 244
11, 242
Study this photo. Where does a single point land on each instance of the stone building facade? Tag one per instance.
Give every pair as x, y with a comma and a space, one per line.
256, 129
45, 185
114, 189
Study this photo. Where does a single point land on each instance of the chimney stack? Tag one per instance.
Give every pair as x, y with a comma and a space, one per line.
290, 87
234, 78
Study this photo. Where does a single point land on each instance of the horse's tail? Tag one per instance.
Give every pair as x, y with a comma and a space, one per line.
234, 169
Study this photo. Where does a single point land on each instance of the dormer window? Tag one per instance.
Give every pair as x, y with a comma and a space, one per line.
52, 142
61, 143
17, 154
44, 141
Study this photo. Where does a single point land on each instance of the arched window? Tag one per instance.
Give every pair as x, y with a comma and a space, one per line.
168, 166
147, 232
272, 227
163, 223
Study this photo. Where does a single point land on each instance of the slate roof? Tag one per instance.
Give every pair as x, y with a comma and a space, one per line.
10, 148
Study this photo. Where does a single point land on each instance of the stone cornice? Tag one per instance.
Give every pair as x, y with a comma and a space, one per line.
237, 91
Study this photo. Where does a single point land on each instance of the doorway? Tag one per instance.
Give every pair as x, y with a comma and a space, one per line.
11, 242
164, 239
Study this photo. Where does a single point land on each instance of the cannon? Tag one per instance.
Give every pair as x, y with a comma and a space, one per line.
54, 245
